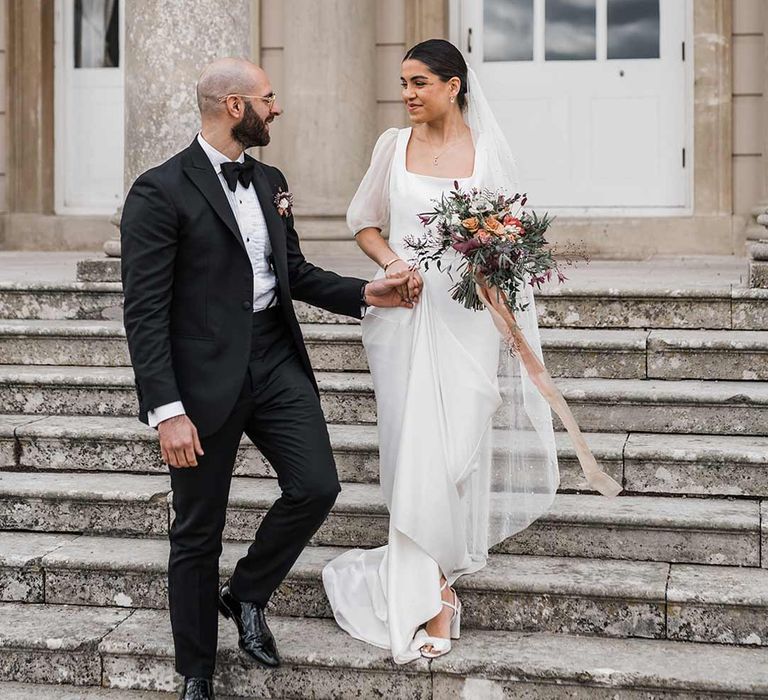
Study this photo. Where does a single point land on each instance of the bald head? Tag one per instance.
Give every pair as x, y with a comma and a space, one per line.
228, 76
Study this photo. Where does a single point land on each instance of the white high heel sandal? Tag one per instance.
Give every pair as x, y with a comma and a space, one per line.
440, 645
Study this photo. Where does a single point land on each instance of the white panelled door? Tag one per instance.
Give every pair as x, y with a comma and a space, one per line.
593, 96
89, 106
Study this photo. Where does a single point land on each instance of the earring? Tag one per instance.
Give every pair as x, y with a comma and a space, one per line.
453, 97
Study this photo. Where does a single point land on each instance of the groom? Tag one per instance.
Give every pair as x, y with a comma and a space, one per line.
210, 264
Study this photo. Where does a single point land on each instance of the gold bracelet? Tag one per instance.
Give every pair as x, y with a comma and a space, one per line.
394, 260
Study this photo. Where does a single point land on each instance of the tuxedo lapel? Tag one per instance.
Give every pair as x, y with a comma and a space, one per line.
199, 169
275, 225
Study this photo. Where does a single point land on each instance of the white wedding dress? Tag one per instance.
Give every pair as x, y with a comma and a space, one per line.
453, 484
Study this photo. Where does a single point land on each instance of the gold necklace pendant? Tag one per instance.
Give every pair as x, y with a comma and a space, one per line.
434, 161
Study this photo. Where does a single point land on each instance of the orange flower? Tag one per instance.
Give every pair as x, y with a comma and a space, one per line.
483, 236
471, 224
510, 220
493, 225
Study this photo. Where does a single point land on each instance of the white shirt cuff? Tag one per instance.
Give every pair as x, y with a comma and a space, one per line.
164, 412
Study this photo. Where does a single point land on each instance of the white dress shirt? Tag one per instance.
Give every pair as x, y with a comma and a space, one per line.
253, 229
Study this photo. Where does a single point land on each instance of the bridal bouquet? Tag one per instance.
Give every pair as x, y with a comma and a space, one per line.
500, 244
502, 248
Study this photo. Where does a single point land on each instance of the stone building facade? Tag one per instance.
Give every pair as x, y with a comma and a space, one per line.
335, 66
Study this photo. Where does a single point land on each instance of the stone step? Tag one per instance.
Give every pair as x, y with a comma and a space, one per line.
736, 355
126, 651
707, 465
717, 604
604, 307
600, 405
34, 691
333, 347
613, 354
514, 592
644, 528
82, 443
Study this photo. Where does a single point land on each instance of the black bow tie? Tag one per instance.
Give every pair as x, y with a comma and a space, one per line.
234, 171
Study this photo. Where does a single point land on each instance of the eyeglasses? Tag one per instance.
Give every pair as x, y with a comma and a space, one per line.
269, 99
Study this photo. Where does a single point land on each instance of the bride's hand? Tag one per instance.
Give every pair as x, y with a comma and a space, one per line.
398, 269
415, 284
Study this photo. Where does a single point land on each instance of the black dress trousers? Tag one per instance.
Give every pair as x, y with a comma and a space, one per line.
280, 412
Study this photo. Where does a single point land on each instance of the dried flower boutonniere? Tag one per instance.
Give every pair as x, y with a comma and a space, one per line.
284, 203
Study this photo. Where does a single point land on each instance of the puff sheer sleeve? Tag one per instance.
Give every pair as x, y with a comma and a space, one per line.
370, 205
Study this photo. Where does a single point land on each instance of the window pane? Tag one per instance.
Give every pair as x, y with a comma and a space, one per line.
633, 28
508, 30
97, 33
570, 30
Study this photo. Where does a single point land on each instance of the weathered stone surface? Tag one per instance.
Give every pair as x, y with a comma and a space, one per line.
718, 604
9, 425
571, 596
21, 570
738, 355
51, 643
692, 406
61, 502
65, 300
35, 691
110, 443
502, 665
607, 449
722, 465
67, 390
319, 661
94, 443
643, 528
758, 274
582, 596
613, 354
99, 270
87, 343
750, 309
635, 308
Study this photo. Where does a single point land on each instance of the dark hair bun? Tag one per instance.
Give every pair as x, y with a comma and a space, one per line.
444, 60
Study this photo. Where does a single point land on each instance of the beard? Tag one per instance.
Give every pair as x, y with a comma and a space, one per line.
251, 130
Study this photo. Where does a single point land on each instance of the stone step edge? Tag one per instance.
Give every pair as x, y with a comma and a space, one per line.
364, 500
128, 429
137, 653
652, 391
607, 339
676, 583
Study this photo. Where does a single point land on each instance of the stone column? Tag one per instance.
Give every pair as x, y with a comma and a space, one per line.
756, 231
329, 98
167, 44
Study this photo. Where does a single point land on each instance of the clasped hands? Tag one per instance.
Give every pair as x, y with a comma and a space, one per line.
401, 286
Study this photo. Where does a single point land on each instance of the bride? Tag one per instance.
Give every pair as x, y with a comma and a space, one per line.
466, 447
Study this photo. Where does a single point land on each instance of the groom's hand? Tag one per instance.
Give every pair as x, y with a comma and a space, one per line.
179, 442
386, 292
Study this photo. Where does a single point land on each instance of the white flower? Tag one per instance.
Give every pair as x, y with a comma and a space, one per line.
455, 220
480, 204
283, 203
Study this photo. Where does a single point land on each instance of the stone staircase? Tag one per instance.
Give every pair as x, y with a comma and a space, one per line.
660, 593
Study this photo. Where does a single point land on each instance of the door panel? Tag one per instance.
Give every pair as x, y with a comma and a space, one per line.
593, 97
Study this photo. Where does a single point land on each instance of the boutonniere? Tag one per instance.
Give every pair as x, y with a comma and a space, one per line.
284, 203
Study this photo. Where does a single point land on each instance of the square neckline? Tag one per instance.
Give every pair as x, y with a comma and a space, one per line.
409, 129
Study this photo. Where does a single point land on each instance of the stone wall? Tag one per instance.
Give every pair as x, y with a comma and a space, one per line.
3, 94
749, 120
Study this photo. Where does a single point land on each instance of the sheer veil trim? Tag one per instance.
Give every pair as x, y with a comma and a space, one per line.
523, 474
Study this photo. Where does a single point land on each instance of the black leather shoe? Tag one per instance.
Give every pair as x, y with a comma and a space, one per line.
256, 639
197, 689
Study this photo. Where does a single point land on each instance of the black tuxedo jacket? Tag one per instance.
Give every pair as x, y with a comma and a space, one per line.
188, 286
